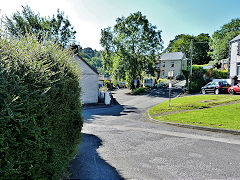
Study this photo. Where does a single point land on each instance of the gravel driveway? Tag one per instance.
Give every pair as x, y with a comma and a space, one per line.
120, 142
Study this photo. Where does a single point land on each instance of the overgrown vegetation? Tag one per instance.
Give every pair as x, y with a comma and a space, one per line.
40, 109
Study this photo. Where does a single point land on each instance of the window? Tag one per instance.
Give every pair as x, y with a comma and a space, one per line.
163, 64
172, 64
238, 69
163, 73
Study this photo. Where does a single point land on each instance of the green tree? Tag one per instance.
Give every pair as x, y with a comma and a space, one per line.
219, 45
130, 47
28, 22
93, 57
182, 43
201, 49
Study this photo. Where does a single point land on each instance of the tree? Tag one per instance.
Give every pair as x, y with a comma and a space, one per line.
201, 49
93, 57
130, 47
27, 22
182, 43
219, 45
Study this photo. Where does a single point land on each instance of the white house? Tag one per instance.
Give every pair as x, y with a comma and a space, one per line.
234, 57
175, 62
88, 81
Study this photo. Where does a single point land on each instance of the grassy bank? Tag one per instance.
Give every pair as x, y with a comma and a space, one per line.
221, 111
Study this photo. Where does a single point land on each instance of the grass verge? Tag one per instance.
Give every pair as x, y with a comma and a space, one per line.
202, 111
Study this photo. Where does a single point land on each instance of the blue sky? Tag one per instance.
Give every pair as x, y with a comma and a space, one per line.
173, 17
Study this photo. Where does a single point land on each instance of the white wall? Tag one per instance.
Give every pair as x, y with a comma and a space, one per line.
234, 59
177, 68
88, 83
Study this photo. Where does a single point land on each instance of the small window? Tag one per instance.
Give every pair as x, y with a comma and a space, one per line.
163, 73
163, 64
172, 64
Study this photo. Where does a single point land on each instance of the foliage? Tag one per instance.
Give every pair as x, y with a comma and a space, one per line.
93, 57
162, 82
139, 90
130, 47
219, 45
218, 74
182, 43
197, 80
28, 22
40, 109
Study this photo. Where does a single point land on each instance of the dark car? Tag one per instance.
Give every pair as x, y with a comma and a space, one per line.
234, 89
215, 87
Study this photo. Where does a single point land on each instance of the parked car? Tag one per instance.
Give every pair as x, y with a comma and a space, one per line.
234, 89
215, 87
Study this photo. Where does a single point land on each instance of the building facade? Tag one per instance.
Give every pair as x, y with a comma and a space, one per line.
88, 81
234, 57
175, 62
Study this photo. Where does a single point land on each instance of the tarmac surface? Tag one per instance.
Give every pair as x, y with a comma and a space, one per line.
120, 142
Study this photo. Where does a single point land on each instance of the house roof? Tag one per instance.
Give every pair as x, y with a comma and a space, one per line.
172, 56
86, 63
236, 38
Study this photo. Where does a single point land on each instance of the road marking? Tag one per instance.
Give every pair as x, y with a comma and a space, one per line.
169, 133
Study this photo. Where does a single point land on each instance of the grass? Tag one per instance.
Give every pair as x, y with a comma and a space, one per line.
192, 102
202, 111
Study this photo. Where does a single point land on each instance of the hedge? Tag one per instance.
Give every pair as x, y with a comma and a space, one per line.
40, 109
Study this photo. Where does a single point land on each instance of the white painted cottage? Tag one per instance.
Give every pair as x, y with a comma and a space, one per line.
234, 57
88, 81
175, 61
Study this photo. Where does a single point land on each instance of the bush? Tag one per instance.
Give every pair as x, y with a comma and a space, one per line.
218, 74
197, 80
139, 91
40, 109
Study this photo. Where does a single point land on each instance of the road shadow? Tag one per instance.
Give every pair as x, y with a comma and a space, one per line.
164, 92
112, 110
88, 164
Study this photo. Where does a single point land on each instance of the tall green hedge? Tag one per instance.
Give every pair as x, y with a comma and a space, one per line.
40, 109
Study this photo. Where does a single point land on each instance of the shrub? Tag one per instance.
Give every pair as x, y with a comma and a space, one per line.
139, 91
218, 74
197, 80
40, 109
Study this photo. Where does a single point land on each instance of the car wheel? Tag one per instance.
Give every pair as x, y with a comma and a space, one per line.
231, 91
203, 91
216, 91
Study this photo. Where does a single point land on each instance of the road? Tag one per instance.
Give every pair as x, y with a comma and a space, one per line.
119, 142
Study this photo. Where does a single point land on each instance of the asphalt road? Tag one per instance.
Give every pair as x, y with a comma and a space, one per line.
120, 142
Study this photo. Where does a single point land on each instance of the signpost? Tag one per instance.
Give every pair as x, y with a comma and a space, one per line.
170, 76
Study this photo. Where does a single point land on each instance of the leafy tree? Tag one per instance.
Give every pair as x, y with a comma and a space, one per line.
28, 22
93, 57
130, 47
201, 49
182, 43
219, 45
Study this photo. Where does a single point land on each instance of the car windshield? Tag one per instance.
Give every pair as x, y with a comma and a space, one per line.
222, 83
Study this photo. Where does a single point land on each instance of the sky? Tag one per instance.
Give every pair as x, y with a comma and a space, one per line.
172, 17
